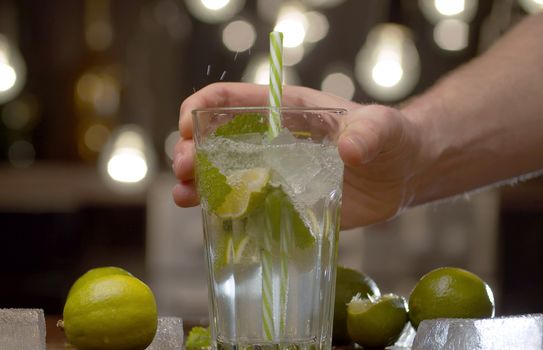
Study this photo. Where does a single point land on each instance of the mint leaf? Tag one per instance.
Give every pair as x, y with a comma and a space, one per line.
212, 184
198, 338
248, 123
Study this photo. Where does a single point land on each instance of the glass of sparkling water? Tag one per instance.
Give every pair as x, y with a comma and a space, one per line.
271, 220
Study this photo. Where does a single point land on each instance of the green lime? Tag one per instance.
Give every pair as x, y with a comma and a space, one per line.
110, 312
198, 338
450, 292
376, 322
248, 190
97, 272
349, 283
247, 123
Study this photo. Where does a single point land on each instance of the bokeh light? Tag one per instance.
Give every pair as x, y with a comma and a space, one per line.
387, 72
317, 26
323, 3
292, 23
451, 34
21, 113
437, 10
98, 27
127, 161
12, 70
100, 90
449, 7
21, 154
387, 66
96, 136
339, 84
214, 11
127, 165
293, 55
215, 4
531, 6
258, 72
8, 77
239, 36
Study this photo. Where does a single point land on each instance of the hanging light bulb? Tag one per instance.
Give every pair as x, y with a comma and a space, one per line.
387, 67
531, 6
437, 10
12, 70
292, 23
127, 162
214, 11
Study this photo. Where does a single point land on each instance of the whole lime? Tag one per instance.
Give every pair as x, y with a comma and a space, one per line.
97, 272
349, 283
376, 322
110, 312
450, 292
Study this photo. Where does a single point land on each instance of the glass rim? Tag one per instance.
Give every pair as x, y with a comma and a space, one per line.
231, 109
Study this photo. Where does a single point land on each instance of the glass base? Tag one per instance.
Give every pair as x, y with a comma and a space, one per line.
312, 345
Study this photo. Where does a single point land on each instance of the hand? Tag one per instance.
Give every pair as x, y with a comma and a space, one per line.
379, 146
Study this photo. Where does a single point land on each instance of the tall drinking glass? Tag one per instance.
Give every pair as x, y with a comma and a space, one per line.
271, 220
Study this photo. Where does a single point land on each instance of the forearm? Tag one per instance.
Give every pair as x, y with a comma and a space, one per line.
483, 123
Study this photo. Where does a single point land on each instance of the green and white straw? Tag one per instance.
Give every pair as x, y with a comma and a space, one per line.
275, 92
276, 82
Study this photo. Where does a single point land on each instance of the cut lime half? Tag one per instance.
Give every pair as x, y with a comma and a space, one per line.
376, 321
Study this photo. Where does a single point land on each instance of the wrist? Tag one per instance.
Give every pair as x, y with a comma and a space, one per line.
423, 116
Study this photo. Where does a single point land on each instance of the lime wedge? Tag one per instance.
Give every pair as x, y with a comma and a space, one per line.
243, 124
376, 322
212, 184
249, 189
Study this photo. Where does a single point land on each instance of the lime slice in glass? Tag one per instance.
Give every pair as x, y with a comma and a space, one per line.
249, 189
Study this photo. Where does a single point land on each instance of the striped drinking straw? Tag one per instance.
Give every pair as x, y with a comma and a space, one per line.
274, 125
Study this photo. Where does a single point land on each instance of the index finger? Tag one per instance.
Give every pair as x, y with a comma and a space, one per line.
220, 95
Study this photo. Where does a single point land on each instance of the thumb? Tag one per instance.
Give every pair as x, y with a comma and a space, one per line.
370, 130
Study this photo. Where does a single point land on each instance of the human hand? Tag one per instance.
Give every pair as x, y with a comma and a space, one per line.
378, 145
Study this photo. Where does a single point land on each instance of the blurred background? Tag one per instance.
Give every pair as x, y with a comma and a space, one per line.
89, 98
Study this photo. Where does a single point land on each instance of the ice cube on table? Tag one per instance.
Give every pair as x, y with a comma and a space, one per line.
169, 334
514, 332
22, 329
